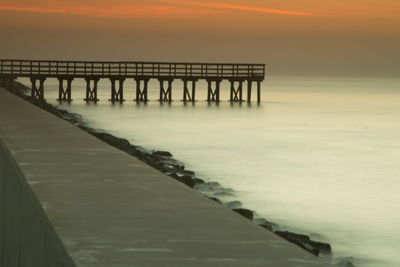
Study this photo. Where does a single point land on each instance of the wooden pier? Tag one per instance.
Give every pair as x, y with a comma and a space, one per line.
140, 72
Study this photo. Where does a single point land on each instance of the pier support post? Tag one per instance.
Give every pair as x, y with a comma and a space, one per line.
236, 93
117, 95
141, 94
213, 94
249, 85
186, 93
91, 93
166, 95
37, 92
64, 94
258, 91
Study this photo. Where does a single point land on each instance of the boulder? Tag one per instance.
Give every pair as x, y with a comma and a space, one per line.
265, 224
305, 242
215, 199
198, 181
248, 214
234, 204
345, 263
162, 153
187, 180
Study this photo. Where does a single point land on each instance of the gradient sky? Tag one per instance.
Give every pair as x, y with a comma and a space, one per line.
293, 37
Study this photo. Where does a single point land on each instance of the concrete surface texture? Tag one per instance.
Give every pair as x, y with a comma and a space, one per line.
85, 203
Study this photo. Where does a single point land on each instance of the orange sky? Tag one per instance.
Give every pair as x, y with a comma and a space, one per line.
304, 37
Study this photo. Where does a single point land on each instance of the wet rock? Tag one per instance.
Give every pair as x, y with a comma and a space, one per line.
223, 193
323, 248
265, 224
234, 204
345, 263
186, 172
300, 240
186, 179
212, 188
245, 213
198, 181
305, 242
208, 186
170, 165
216, 200
162, 153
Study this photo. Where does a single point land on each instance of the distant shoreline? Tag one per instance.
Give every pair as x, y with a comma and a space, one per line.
164, 162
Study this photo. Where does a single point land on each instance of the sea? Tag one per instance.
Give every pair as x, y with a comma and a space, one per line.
318, 155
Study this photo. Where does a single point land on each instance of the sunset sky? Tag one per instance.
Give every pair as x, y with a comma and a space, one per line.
293, 37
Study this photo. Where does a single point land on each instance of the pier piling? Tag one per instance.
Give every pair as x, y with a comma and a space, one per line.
213, 94
141, 94
37, 92
249, 87
91, 93
117, 95
236, 93
166, 94
64, 94
186, 93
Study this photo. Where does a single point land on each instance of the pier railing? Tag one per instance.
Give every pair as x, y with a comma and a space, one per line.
83, 69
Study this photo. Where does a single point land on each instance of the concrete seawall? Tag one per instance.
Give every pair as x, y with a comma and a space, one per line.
68, 199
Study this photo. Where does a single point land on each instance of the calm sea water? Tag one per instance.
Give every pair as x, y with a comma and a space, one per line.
319, 155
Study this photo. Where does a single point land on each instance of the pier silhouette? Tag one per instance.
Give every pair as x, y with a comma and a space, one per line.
141, 72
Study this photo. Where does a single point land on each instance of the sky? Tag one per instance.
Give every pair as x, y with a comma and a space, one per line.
293, 37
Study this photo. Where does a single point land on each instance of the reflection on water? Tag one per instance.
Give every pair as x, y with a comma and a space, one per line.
320, 156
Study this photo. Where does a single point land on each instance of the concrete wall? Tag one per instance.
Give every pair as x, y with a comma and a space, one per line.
26, 236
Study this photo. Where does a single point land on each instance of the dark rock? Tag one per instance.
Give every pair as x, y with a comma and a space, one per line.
208, 187
187, 180
167, 168
245, 213
170, 165
223, 193
305, 242
234, 204
290, 235
298, 239
265, 224
345, 263
198, 181
162, 153
216, 200
186, 172
324, 248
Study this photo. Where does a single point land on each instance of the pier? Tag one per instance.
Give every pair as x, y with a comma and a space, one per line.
139, 72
